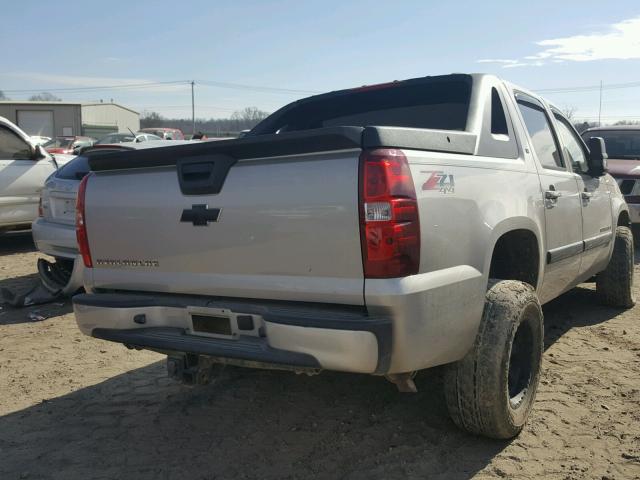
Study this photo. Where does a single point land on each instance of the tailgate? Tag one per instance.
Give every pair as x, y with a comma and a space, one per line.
282, 228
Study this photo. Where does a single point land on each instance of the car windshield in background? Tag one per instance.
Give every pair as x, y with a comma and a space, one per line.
420, 103
58, 143
620, 144
116, 138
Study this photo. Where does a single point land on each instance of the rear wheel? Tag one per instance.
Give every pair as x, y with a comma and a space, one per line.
614, 285
491, 391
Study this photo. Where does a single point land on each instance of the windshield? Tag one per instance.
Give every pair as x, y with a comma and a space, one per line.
622, 144
116, 138
58, 143
422, 103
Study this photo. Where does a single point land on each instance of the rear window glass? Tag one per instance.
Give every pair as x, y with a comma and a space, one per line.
423, 103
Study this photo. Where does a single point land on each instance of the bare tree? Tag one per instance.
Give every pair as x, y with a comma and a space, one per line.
249, 114
151, 119
627, 122
44, 97
569, 111
240, 120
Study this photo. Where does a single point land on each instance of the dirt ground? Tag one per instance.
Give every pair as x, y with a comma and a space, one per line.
72, 407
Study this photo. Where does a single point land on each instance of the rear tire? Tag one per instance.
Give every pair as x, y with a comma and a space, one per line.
614, 285
491, 390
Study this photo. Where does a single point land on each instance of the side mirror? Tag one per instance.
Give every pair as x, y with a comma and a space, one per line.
39, 152
597, 157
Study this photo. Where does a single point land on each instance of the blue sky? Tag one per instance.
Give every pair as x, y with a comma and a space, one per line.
316, 46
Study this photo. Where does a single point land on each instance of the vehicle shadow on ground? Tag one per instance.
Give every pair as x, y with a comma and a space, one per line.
259, 424
16, 242
576, 308
251, 424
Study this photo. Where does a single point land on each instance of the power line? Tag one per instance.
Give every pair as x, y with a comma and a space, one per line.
257, 88
278, 90
208, 83
589, 88
104, 87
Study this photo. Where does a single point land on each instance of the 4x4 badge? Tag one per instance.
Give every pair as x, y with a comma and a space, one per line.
443, 182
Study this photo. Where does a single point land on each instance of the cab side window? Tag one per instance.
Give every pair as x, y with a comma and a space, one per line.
573, 148
539, 129
12, 147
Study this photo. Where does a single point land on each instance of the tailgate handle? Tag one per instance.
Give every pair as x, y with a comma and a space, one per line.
197, 171
203, 174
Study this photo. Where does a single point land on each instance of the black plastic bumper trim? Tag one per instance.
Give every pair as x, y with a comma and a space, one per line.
176, 340
312, 315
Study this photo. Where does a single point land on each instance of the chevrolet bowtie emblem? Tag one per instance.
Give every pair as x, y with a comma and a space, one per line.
200, 215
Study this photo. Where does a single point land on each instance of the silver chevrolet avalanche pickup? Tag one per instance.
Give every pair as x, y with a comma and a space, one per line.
381, 230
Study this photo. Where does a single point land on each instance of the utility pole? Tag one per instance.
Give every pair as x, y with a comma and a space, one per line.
600, 108
193, 109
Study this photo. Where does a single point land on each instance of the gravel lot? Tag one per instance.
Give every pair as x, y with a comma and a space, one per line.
75, 407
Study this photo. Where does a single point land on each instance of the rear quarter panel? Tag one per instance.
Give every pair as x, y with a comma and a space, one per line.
462, 215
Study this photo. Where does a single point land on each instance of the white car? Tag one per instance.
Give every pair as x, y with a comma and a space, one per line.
24, 167
39, 140
54, 230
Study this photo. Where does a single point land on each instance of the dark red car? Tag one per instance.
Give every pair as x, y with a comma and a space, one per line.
623, 149
68, 145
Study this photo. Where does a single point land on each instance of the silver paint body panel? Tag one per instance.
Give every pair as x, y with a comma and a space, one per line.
289, 230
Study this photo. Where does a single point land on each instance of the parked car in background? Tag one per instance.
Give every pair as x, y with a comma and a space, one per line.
623, 163
165, 133
68, 145
54, 229
24, 167
39, 140
114, 138
381, 230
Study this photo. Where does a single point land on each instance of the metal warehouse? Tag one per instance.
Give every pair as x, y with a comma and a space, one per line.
51, 119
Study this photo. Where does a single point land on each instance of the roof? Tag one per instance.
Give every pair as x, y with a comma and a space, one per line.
75, 104
29, 102
101, 104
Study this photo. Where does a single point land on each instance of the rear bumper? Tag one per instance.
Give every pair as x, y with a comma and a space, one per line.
55, 239
309, 336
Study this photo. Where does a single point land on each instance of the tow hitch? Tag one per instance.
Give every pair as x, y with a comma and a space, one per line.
192, 369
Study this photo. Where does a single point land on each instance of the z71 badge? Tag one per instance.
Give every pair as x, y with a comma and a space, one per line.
440, 181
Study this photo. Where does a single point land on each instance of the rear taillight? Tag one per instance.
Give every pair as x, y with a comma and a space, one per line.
389, 224
81, 225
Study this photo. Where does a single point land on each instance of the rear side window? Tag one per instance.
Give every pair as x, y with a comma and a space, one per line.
539, 129
498, 118
422, 103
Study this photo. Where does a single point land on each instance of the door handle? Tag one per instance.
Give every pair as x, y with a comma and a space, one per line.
552, 195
